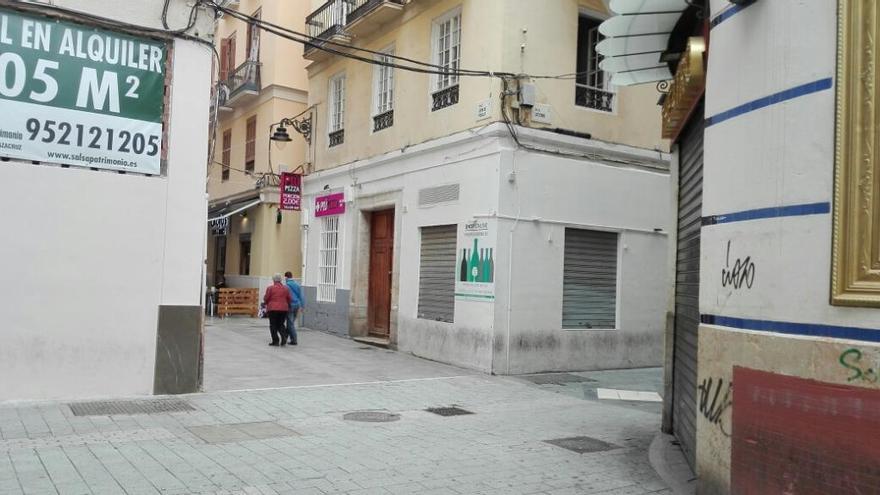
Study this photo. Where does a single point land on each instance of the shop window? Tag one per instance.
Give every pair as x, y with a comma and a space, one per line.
855, 275
328, 262
589, 281
437, 273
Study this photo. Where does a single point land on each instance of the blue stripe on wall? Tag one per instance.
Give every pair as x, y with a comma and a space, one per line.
784, 327
772, 212
727, 14
788, 94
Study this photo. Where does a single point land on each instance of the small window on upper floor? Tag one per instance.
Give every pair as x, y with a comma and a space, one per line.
592, 88
250, 144
336, 107
383, 91
253, 40
226, 155
446, 53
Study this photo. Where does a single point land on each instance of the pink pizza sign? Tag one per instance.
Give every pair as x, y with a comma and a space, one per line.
331, 204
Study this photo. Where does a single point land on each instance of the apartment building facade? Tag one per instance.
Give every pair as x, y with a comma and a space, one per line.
511, 225
262, 80
773, 371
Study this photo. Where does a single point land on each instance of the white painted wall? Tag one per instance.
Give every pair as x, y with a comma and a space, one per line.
88, 256
558, 191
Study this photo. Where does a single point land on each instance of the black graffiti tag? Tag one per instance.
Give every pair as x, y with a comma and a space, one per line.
710, 389
742, 274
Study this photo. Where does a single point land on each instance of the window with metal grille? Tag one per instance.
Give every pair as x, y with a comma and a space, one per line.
437, 273
383, 92
592, 88
227, 154
328, 261
446, 34
589, 281
337, 103
250, 144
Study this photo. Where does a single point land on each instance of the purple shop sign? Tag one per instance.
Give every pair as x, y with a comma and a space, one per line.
331, 204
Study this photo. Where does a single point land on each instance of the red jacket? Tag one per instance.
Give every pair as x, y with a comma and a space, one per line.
277, 297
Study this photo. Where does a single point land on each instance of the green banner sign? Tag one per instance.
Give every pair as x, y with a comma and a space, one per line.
80, 95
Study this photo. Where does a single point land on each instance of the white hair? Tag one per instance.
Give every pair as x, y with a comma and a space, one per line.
277, 277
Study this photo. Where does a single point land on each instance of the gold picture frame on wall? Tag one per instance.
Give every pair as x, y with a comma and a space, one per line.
855, 264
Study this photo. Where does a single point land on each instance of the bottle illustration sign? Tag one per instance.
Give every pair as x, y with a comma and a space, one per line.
475, 274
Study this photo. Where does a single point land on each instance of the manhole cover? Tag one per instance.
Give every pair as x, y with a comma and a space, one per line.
120, 407
448, 411
556, 378
371, 416
583, 445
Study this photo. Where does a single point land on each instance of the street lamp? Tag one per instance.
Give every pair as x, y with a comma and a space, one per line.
300, 124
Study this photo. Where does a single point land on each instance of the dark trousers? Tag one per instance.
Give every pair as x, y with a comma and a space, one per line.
276, 326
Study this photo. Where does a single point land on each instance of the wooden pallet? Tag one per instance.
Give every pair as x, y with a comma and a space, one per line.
238, 302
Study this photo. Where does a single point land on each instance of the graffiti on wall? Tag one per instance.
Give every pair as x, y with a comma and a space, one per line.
715, 400
742, 274
852, 359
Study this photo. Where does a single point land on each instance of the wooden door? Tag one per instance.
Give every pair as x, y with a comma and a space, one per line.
381, 255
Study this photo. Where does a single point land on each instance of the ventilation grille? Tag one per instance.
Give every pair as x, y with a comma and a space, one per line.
440, 194
110, 408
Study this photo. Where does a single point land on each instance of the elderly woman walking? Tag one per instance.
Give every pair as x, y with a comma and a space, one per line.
277, 299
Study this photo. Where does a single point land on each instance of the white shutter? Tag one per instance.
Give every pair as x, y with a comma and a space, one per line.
437, 273
589, 288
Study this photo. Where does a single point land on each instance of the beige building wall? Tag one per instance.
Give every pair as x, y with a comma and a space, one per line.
283, 93
492, 36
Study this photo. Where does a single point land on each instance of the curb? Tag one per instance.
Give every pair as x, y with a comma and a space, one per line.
669, 462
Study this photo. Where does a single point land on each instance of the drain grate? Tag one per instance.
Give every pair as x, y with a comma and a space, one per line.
126, 407
583, 445
556, 378
371, 416
448, 411
240, 432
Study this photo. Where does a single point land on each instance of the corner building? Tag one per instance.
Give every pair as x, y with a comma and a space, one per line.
262, 80
429, 228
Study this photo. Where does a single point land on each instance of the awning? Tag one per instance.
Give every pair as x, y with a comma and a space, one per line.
635, 39
228, 209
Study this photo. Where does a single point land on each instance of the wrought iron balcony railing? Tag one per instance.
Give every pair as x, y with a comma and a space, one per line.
444, 98
328, 20
360, 8
383, 121
245, 78
595, 98
336, 138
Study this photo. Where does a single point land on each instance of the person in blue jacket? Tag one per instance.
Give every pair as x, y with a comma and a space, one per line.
296, 303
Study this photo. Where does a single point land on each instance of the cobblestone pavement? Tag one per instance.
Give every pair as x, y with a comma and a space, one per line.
295, 440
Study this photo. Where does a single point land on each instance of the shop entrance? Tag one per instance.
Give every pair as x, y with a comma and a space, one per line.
381, 256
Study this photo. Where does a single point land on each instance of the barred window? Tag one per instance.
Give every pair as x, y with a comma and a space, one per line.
329, 259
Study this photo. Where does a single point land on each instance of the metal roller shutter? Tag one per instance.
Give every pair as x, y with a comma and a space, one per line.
437, 273
687, 287
589, 287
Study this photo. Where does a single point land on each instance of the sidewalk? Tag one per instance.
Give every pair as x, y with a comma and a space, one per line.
297, 440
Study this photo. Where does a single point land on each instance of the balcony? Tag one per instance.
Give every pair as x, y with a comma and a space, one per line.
595, 98
221, 96
326, 24
365, 16
244, 84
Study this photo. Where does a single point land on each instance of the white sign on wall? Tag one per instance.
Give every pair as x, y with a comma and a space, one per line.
475, 268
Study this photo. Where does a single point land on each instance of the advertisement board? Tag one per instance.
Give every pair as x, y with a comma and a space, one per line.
331, 204
291, 191
80, 95
475, 261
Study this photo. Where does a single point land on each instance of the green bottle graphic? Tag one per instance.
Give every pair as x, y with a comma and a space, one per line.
474, 266
487, 271
490, 272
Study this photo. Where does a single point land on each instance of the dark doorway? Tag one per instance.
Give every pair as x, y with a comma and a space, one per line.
381, 256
